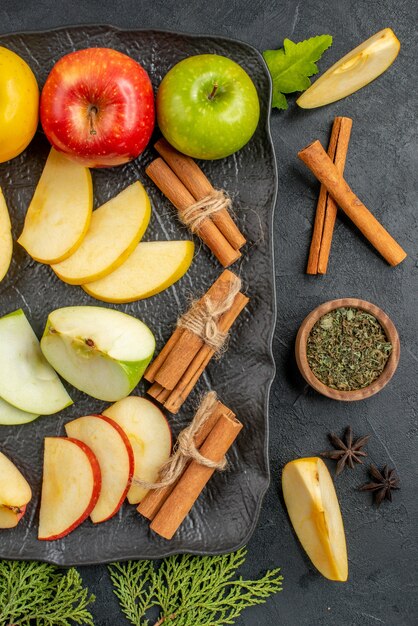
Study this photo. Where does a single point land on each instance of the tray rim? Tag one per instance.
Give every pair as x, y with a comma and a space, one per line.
262, 493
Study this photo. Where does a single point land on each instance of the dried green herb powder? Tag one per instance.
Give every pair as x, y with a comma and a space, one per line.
347, 349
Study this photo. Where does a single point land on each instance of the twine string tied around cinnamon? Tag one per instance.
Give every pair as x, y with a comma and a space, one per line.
198, 212
185, 449
202, 317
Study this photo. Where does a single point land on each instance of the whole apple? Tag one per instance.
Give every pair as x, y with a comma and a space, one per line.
97, 107
207, 106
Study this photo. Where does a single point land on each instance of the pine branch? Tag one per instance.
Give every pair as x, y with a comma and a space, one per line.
36, 593
190, 590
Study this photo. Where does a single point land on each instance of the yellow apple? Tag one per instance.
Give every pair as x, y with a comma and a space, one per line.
6, 241
152, 267
19, 104
315, 514
59, 214
115, 230
15, 493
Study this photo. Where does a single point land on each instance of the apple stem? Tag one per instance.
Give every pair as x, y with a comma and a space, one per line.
214, 90
92, 112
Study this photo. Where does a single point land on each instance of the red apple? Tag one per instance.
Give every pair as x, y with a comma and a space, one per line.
71, 486
97, 107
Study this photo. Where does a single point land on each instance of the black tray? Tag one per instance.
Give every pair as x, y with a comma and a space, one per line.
227, 511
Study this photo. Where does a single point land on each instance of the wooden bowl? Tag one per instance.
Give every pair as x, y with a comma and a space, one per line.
336, 394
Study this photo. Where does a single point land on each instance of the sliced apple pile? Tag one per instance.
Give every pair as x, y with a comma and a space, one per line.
6, 241
59, 214
115, 230
15, 493
113, 451
99, 351
70, 487
355, 70
152, 267
315, 514
27, 381
150, 436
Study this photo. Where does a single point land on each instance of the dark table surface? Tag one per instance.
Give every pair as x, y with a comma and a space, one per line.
382, 167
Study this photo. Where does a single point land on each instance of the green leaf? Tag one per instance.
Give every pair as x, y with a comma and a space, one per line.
291, 66
190, 590
37, 594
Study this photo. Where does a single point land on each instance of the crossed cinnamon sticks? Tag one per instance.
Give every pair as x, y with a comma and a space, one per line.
168, 506
329, 169
201, 207
199, 335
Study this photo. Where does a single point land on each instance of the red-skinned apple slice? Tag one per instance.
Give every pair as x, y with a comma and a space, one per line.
70, 488
15, 493
150, 436
114, 453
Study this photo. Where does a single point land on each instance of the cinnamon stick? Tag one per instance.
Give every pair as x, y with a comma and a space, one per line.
318, 229
179, 503
172, 187
154, 499
331, 206
315, 157
200, 187
182, 390
188, 344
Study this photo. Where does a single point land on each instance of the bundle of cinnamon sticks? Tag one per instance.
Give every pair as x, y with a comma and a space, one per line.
334, 191
167, 507
197, 338
201, 207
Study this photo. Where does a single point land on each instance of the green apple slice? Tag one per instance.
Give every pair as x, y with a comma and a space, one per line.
355, 70
27, 381
12, 416
99, 351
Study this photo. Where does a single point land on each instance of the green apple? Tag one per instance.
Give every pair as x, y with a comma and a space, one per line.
27, 381
100, 351
12, 416
207, 106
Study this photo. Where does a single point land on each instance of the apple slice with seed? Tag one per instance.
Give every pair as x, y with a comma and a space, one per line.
100, 351
150, 436
59, 214
15, 493
355, 70
113, 451
115, 230
71, 486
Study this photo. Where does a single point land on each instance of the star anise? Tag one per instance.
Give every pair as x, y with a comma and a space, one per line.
346, 452
382, 485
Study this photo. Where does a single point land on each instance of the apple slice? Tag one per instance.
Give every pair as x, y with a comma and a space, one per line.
12, 416
15, 493
59, 214
152, 267
6, 241
100, 351
355, 70
27, 381
115, 230
70, 487
315, 514
150, 436
114, 454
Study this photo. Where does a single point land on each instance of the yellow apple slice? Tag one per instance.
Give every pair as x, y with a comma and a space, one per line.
115, 230
59, 214
15, 493
355, 70
6, 241
315, 514
152, 267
